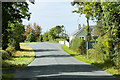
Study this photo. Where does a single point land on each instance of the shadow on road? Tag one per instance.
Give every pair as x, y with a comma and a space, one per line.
40, 50
64, 72
52, 56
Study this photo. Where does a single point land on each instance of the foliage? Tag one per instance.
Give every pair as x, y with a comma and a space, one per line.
36, 30
15, 38
54, 33
10, 50
21, 58
87, 9
108, 17
31, 37
41, 38
13, 13
5, 55
78, 45
98, 30
59, 29
45, 36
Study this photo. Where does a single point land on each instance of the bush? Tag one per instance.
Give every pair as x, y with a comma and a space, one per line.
93, 55
5, 55
41, 38
31, 37
10, 50
78, 45
103, 46
45, 37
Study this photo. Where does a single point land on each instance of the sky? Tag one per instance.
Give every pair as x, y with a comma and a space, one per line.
50, 13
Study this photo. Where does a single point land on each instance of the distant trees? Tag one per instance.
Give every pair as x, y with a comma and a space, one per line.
33, 30
55, 32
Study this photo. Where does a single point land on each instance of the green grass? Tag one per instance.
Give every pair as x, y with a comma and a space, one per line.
19, 59
7, 76
106, 66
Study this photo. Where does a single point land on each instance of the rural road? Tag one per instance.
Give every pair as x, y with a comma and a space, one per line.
52, 63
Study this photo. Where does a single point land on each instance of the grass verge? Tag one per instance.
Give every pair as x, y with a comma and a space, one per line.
101, 64
19, 59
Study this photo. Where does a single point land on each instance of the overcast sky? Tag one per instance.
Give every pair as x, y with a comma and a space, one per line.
49, 14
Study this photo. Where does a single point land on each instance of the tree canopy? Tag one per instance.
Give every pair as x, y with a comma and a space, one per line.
12, 15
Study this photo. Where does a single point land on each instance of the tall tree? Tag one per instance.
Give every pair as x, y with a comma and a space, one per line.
12, 13
85, 8
37, 30
59, 29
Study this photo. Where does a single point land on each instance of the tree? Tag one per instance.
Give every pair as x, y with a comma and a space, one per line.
37, 31
98, 30
31, 37
12, 13
59, 29
87, 9
14, 38
45, 36
52, 32
109, 17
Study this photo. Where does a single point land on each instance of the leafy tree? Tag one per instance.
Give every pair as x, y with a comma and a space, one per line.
52, 32
37, 31
41, 38
98, 30
45, 36
28, 30
59, 29
109, 17
87, 9
12, 13
55, 32
31, 37
14, 38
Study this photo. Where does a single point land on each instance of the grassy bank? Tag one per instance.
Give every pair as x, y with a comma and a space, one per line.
101, 64
19, 59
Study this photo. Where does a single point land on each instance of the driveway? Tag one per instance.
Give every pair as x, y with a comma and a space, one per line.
52, 63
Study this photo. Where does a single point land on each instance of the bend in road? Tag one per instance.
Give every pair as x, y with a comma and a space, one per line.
52, 62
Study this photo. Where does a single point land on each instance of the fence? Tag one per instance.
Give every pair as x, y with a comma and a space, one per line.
64, 43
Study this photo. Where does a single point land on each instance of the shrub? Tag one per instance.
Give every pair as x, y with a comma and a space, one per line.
45, 37
92, 54
41, 38
50, 37
31, 37
103, 46
10, 50
5, 55
78, 45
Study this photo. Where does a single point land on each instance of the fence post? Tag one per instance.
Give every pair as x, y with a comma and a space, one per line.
87, 48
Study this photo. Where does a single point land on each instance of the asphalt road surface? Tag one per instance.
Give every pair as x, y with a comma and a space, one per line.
52, 63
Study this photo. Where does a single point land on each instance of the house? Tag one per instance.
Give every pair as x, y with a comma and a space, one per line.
81, 33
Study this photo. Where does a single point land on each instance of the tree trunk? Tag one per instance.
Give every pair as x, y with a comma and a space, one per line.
17, 46
88, 36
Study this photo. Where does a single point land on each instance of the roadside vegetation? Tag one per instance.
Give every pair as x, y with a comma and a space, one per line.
18, 59
107, 31
105, 65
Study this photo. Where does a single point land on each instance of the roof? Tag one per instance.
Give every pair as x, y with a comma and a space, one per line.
80, 30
